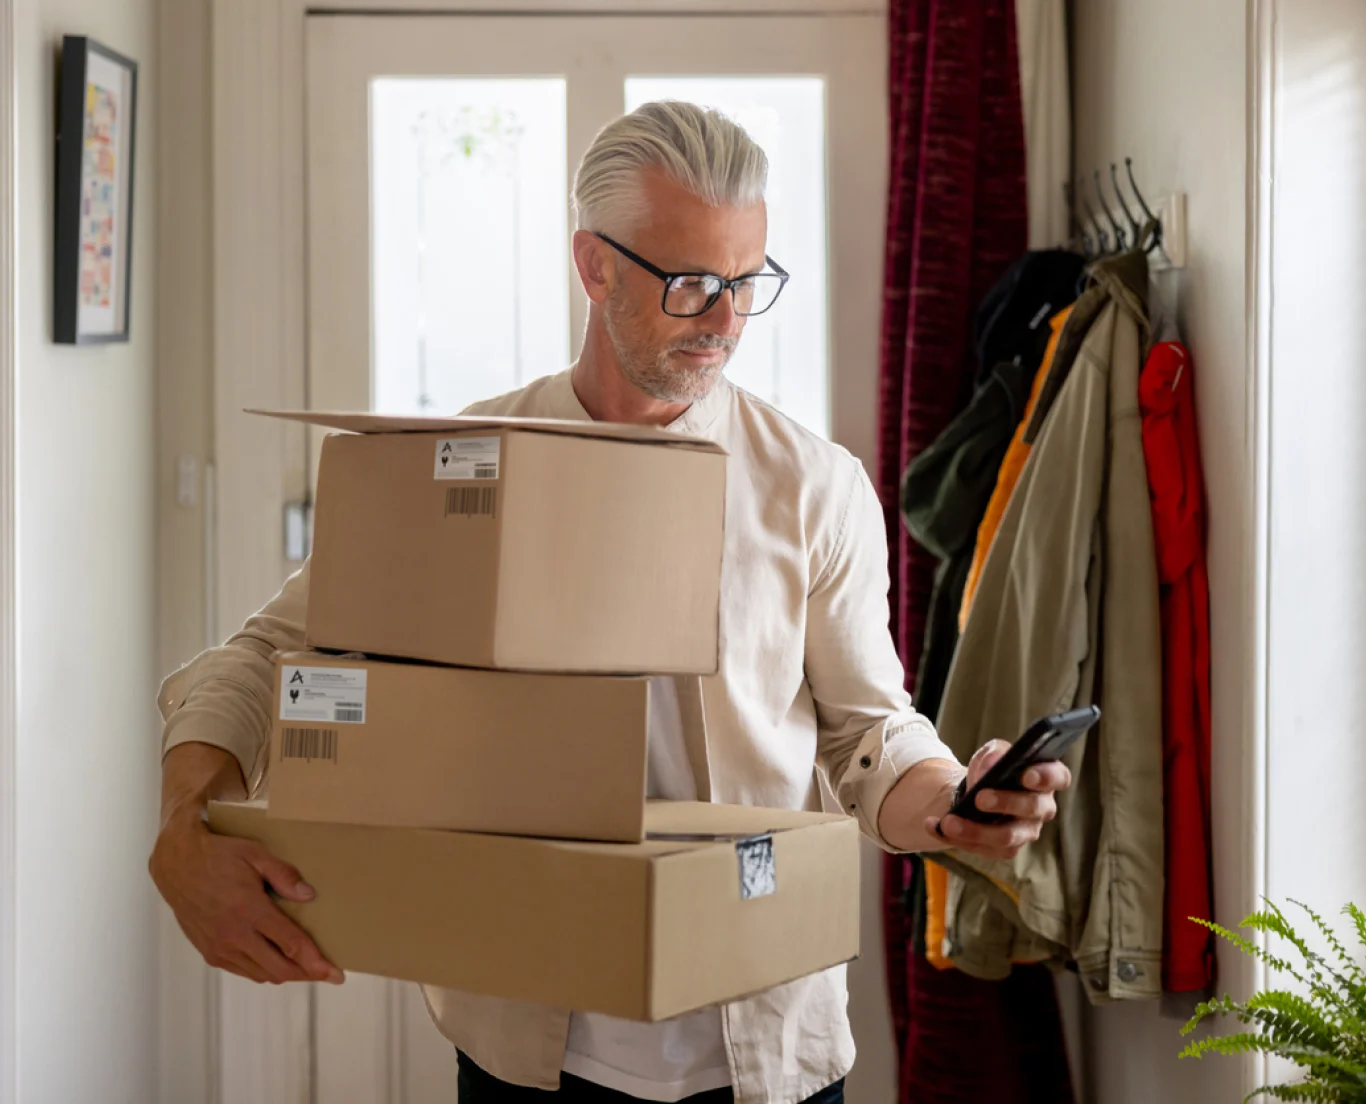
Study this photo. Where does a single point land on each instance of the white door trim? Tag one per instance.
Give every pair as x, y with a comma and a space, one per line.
263, 1033
259, 357
1262, 74
9, 590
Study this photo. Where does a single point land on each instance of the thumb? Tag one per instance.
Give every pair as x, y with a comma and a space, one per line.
985, 759
279, 875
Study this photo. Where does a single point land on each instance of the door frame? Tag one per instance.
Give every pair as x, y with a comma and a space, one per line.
259, 357
260, 1037
9, 590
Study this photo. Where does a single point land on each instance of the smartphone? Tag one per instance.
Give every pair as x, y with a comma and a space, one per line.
1044, 741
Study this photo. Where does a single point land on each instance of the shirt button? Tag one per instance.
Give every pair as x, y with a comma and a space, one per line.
1097, 983
1127, 971
865, 762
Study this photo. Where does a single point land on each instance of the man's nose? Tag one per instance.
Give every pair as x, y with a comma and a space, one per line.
722, 318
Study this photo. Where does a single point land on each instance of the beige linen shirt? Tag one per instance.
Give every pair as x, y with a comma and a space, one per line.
809, 679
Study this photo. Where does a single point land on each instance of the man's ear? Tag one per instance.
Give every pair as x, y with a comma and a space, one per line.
596, 264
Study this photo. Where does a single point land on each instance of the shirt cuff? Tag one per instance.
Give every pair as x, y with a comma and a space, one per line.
886, 753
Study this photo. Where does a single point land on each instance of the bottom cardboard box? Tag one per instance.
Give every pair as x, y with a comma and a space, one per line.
718, 902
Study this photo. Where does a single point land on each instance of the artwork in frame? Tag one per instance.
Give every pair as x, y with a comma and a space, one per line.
96, 128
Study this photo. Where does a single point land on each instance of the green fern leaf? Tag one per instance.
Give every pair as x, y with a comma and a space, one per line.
1248, 947
1358, 918
1296, 1016
1242, 1043
1323, 1032
1353, 968
1285, 1028
1308, 1092
1327, 1067
1218, 1006
1273, 920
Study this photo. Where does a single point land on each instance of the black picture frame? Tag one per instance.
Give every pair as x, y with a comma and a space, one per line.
94, 190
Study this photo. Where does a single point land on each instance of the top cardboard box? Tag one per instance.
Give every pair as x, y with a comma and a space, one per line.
516, 543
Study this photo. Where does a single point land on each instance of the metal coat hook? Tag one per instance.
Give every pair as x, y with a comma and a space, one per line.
1120, 240
1076, 229
1147, 211
1134, 225
1101, 236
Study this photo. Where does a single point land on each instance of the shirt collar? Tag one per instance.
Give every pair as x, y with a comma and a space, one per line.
695, 421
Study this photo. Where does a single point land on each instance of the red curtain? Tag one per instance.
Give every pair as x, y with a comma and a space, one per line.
956, 218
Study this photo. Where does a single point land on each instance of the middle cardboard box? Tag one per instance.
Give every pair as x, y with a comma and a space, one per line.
392, 744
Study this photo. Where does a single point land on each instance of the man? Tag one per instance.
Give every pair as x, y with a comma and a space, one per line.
670, 249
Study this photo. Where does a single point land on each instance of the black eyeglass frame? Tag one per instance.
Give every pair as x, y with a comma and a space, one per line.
731, 285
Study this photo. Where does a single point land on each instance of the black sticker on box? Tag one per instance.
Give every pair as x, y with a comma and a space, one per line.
758, 872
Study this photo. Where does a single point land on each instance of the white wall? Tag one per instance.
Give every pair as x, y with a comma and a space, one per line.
1165, 82
87, 740
1316, 702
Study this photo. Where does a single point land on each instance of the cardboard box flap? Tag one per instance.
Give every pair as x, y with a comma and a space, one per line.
316, 656
670, 826
356, 422
673, 819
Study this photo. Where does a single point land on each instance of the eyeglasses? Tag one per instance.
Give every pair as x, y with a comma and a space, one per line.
688, 294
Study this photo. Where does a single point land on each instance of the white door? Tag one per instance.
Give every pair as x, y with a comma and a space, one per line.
440, 152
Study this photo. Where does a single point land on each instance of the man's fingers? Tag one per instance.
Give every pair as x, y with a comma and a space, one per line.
1047, 777
1025, 806
234, 962
283, 878
989, 837
295, 944
277, 968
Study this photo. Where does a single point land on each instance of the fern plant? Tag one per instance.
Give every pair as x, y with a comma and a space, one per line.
1323, 1033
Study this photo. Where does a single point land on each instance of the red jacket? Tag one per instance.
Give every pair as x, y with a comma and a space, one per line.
1172, 451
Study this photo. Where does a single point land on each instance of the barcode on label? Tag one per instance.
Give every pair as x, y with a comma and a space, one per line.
348, 714
309, 743
471, 501
485, 471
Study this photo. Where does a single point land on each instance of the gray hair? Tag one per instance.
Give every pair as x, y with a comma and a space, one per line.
696, 147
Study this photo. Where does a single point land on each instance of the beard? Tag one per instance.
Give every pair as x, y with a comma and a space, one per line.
663, 373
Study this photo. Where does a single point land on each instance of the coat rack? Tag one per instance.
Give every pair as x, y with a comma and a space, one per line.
1098, 236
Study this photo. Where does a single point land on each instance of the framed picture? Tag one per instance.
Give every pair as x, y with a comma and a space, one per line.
96, 126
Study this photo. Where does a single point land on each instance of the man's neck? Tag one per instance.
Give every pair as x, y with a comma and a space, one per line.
607, 394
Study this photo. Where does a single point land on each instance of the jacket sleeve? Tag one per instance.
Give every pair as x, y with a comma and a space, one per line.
868, 733
224, 696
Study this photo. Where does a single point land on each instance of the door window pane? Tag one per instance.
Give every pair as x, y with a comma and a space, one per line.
469, 225
783, 356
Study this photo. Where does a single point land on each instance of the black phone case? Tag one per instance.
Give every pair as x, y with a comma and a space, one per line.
1044, 741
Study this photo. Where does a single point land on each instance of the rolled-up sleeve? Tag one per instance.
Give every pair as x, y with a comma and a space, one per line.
869, 733
224, 696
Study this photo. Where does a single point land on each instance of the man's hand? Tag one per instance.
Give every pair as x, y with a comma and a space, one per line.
1030, 809
217, 886
919, 802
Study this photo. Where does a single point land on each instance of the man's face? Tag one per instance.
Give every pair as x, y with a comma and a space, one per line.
679, 359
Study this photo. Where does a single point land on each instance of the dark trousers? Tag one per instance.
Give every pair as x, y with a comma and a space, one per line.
478, 1087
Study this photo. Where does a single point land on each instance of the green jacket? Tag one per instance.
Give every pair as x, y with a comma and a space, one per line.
1067, 614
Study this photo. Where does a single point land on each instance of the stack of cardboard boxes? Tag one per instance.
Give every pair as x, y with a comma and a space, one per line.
471, 807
